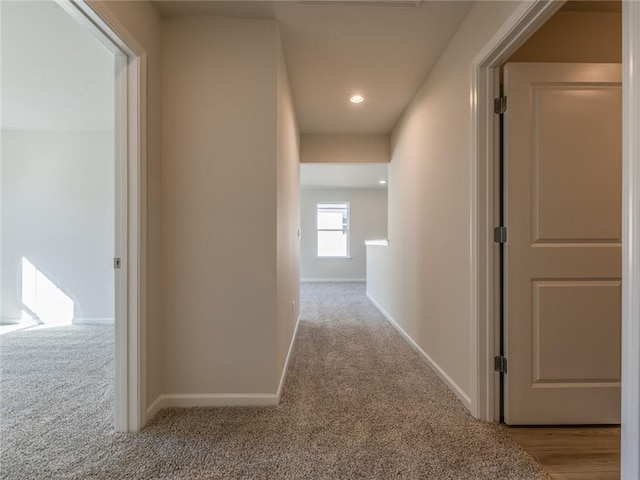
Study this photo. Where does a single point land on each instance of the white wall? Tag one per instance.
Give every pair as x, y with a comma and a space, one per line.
227, 167
568, 36
368, 210
330, 148
55, 75
58, 213
57, 160
423, 278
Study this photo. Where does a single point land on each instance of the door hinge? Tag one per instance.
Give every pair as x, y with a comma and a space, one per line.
117, 262
500, 364
500, 105
500, 234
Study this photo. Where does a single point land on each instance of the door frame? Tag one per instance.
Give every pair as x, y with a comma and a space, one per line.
130, 207
522, 23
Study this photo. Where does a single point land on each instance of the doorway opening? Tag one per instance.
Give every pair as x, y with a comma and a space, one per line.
41, 285
559, 192
486, 84
58, 224
342, 206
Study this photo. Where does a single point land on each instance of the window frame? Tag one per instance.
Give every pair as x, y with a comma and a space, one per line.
348, 230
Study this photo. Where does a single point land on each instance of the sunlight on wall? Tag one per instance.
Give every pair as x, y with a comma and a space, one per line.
43, 298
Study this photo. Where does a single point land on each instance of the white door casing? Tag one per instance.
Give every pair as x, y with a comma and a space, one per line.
563, 171
130, 211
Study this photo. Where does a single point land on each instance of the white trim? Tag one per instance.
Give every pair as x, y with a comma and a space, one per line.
459, 392
10, 321
524, 21
93, 321
332, 280
630, 437
130, 246
121, 330
189, 400
286, 362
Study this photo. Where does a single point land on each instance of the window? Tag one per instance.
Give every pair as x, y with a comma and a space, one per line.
333, 229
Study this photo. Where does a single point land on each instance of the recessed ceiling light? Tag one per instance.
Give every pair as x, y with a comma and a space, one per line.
382, 182
356, 98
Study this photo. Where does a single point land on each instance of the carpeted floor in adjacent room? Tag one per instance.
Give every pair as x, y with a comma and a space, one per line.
358, 402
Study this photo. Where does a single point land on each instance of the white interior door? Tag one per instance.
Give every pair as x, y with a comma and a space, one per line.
563, 177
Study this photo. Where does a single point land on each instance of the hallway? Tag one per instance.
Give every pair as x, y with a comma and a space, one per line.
358, 402
379, 400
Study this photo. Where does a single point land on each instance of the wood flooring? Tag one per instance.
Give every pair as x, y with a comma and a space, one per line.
571, 453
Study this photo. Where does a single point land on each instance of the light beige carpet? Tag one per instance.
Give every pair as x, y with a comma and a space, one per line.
358, 403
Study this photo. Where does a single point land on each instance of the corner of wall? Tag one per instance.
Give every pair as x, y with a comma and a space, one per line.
288, 201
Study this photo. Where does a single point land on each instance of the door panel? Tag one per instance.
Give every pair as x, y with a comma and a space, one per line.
569, 162
569, 312
563, 178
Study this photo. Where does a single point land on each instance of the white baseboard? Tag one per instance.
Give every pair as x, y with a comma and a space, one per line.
333, 280
10, 321
154, 408
286, 362
462, 396
211, 400
93, 321
224, 399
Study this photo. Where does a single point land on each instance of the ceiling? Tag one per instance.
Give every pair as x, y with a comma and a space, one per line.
55, 74
382, 49
333, 175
